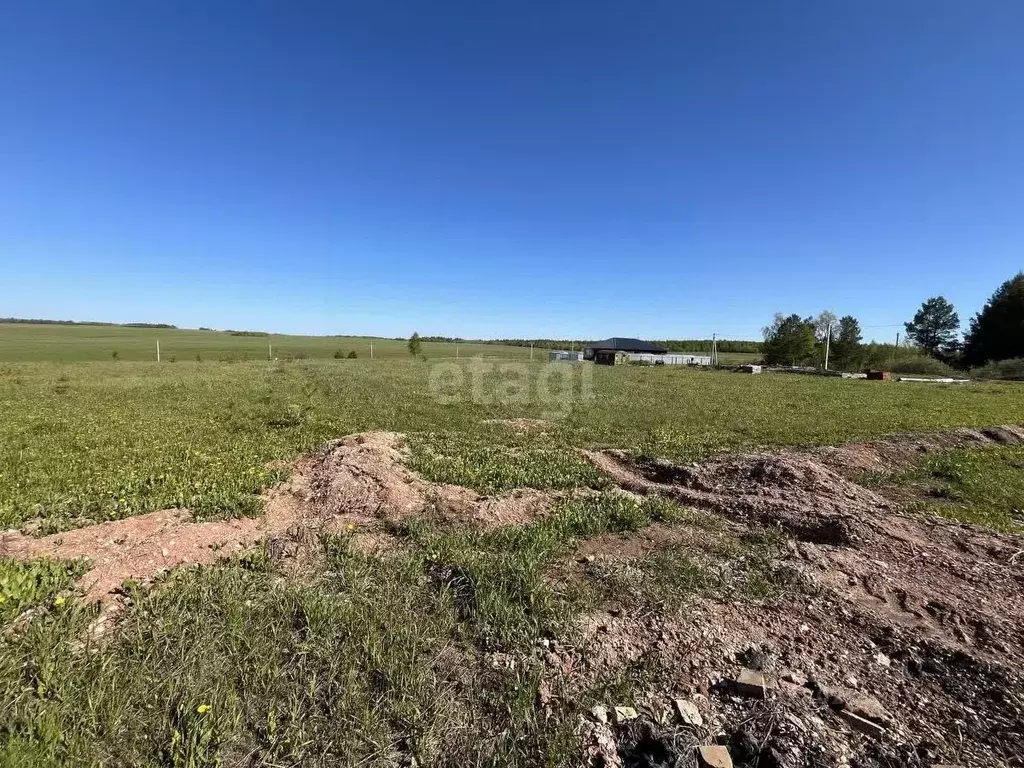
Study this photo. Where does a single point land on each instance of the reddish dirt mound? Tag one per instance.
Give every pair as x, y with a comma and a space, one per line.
924, 614
355, 484
806, 499
901, 452
945, 580
140, 547
363, 475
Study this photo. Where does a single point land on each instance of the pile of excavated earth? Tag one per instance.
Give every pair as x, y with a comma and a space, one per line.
358, 483
903, 646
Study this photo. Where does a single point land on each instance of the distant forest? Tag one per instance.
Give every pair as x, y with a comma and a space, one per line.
673, 345
35, 321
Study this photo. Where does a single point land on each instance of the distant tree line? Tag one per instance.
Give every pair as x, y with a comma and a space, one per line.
35, 321
704, 345
673, 345
993, 345
441, 339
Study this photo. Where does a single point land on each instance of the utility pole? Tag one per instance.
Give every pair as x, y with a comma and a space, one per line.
893, 361
158, 350
714, 349
371, 351
456, 350
270, 351
531, 351
828, 340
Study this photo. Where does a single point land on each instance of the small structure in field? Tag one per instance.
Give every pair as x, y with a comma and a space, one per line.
748, 368
879, 376
561, 354
617, 349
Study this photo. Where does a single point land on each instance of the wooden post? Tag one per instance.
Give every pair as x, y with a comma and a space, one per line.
158, 350
371, 351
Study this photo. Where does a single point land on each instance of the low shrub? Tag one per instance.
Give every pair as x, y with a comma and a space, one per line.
926, 366
1001, 369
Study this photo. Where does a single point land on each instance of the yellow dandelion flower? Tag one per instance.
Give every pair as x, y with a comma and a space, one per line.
202, 709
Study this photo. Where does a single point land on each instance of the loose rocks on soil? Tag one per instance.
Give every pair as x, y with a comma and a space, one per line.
903, 650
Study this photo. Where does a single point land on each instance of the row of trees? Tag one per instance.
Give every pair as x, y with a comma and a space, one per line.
796, 340
672, 345
996, 333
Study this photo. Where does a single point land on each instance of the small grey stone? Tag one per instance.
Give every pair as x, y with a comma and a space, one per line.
624, 714
753, 684
713, 757
687, 712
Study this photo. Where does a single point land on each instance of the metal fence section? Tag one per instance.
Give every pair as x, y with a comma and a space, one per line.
671, 358
561, 354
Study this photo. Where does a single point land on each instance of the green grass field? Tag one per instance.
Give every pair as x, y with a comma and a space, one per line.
369, 659
22, 342
96, 441
977, 486
26, 342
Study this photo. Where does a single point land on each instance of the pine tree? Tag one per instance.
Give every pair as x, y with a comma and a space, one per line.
935, 326
846, 344
997, 331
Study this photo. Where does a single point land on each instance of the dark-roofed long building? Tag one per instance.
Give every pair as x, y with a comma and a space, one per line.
605, 352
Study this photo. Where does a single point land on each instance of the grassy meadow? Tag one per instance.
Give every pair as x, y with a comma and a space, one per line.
978, 486
33, 342
27, 342
373, 660
97, 441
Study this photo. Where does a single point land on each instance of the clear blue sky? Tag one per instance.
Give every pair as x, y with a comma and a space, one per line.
661, 169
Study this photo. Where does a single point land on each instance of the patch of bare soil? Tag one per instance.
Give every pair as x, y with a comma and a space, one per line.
633, 545
357, 485
530, 426
905, 647
901, 452
803, 497
925, 704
